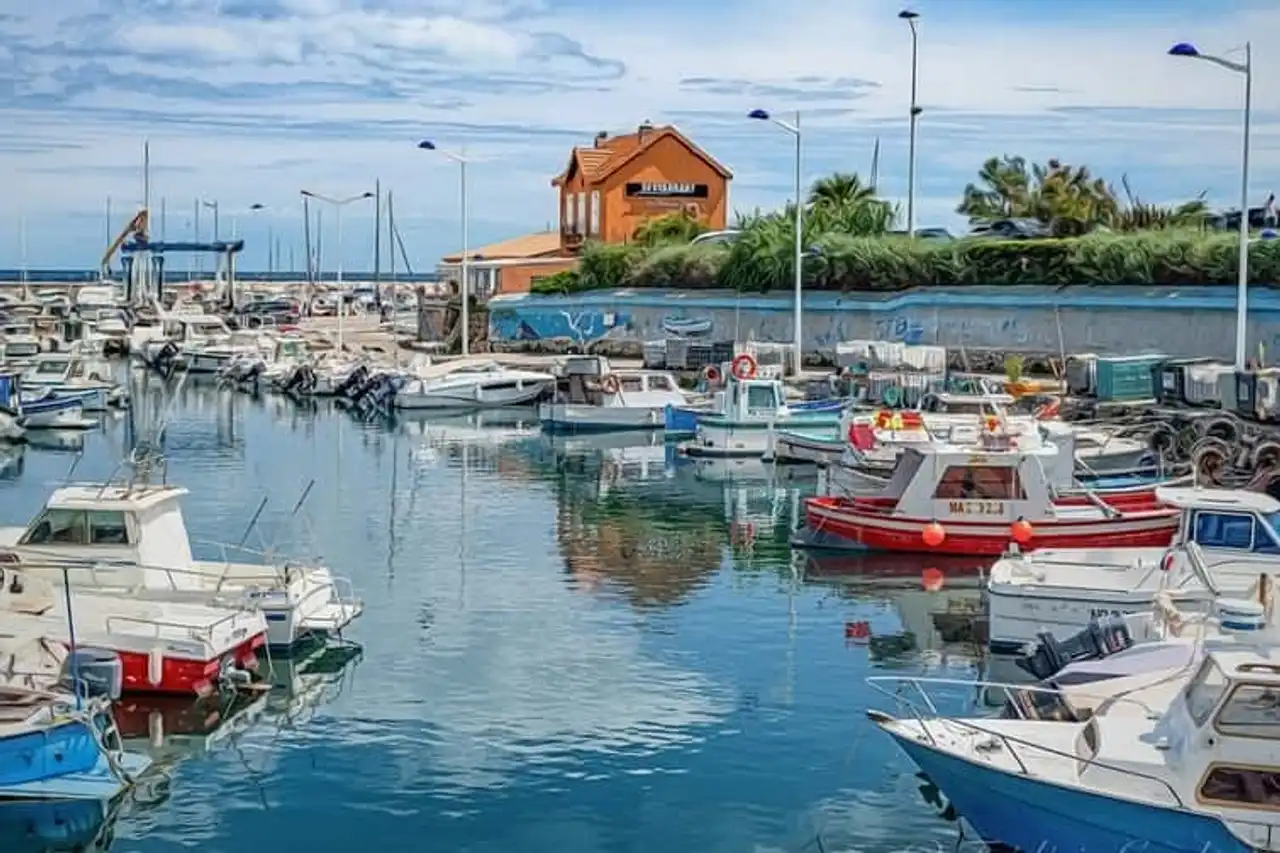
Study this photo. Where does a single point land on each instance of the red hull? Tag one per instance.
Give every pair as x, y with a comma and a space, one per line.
184, 676
867, 522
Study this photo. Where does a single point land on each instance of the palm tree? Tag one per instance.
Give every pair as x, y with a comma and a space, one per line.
672, 228
1138, 215
840, 190
1003, 190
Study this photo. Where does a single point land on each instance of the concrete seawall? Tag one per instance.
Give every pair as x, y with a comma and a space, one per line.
1190, 321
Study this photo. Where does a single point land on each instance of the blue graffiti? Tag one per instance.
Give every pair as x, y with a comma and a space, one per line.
542, 324
900, 329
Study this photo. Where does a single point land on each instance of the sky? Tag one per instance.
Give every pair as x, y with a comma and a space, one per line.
247, 102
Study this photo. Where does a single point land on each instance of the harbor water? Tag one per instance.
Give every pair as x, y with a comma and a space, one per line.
569, 645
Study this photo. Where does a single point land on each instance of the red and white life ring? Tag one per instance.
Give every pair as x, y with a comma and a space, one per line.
609, 384
711, 373
1049, 410
744, 366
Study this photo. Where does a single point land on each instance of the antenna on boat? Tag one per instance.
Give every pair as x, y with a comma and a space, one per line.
71, 636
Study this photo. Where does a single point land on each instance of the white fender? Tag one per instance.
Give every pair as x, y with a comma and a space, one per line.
155, 666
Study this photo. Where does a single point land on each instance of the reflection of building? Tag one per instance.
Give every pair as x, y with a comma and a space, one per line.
607, 191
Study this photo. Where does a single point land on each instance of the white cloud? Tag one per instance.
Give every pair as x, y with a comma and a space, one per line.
341, 90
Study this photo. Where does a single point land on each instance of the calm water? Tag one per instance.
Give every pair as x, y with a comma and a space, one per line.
570, 645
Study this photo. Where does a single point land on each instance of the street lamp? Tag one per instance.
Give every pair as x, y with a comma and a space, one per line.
1189, 51
213, 205
464, 289
258, 208
338, 204
911, 17
794, 130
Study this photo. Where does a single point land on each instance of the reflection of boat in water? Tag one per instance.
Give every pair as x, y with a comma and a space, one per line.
308, 678
171, 728
946, 613
495, 426
12, 458
57, 826
714, 469
64, 440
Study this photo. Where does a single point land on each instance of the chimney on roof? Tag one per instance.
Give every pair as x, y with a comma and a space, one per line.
601, 137
645, 125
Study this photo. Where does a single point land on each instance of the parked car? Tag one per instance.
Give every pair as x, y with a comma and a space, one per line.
1011, 229
267, 312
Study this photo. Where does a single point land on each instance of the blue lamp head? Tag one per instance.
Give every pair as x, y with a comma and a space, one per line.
257, 207
759, 115
908, 15
1184, 48
427, 145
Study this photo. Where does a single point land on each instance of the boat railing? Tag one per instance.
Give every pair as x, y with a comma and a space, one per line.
200, 631
930, 714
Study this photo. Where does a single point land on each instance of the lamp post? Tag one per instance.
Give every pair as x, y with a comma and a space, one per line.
213, 205
794, 130
911, 17
464, 289
338, 204
1189, 51
258, 208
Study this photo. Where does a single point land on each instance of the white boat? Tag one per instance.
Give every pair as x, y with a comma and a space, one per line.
472, 385
171, 647
70, 374
41, 409
748, 414
215, 354
19, 345
616, 400
271, 362
131, 540
1225, 540
1183, 770
177, 341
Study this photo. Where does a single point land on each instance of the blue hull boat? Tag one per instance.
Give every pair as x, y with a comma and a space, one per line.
59, 756
682, 421
1030, 814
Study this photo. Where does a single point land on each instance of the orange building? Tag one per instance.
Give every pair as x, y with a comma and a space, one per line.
607, 191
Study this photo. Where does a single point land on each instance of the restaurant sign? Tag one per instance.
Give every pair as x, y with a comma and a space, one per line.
666, 190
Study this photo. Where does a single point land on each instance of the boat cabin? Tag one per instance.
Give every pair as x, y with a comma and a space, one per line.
987, 482
751, 399
1223, 732
1236, 527
56, 368
590, 381
126, 535
18, 343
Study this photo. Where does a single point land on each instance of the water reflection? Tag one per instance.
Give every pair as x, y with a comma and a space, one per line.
82, 826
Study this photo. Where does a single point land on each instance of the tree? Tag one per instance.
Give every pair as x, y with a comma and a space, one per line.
1138, 215
840, 190
1003, 191
669, 229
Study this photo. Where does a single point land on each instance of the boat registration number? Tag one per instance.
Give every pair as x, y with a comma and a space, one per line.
1103, 613
976, 507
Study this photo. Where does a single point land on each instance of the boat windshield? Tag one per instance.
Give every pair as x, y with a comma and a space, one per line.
51, 367
1205, 691
1238, 531
761, 397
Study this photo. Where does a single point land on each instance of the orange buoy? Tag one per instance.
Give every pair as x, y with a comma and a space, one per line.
993, 423
1022, 531
711, 373
933, 534
932, 579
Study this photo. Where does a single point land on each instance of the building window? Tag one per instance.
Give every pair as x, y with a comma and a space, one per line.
568, 212
595, 212
582, 212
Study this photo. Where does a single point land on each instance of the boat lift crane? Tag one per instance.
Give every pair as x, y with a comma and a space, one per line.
143, 260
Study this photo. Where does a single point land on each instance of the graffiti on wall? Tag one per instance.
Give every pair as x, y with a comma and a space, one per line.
900, 330
547, 324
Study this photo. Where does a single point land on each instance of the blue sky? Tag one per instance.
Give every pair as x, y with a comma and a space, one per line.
248, 101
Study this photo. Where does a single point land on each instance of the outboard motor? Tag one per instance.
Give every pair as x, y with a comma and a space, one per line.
166, 360
92, 672
1102, 638
353, 381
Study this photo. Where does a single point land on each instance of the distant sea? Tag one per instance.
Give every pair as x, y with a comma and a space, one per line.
177, 276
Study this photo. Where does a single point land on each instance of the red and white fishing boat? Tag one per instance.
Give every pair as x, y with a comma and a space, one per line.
979, 499
164, 647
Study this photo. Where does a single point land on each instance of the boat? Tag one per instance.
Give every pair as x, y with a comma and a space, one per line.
69, 374
749, 411
55, 746
163, 646
472, 385
18, 346
872, 454
614, 400
179, 341
131, 540
1224, 541
42, 409
978, 499
1186, 766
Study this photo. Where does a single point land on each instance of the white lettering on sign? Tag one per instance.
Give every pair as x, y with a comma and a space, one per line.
976, 507
667, 189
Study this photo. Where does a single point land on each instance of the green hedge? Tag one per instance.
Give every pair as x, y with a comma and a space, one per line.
762, 262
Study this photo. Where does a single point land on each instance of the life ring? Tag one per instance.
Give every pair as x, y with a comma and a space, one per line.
744, 366
1049, 410
609, 384
992, 423
711, 373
